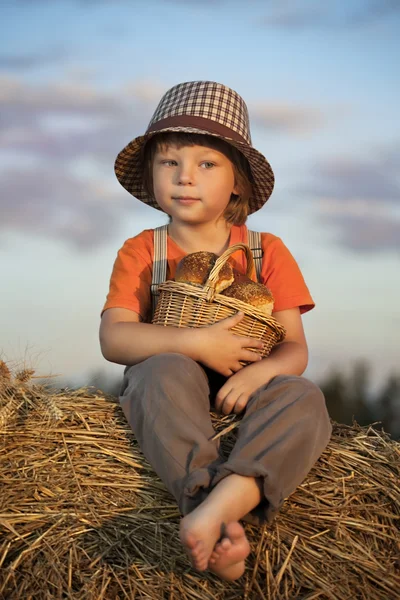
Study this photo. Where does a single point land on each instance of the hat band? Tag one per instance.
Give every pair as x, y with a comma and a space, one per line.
198, 123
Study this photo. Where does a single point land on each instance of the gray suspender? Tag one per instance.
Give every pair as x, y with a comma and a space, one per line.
254, 241
159, 262
160, 258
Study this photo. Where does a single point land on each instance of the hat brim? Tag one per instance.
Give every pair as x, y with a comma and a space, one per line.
129, 169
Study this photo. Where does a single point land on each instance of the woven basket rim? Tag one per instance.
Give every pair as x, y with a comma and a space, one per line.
203, 293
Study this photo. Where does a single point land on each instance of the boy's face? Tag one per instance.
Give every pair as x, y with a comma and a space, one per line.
192, 184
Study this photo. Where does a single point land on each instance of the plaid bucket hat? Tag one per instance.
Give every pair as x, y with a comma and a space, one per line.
204, 107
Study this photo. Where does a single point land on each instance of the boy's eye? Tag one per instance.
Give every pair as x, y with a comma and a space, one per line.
169, 162
207, 164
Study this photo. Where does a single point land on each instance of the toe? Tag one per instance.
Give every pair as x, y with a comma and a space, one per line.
218, 550
189, 540
201, 565
235, 532
225, 544
198, 550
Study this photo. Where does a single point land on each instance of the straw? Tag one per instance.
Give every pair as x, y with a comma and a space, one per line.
84, 516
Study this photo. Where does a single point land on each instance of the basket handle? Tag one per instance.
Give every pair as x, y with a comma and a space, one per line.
219, 263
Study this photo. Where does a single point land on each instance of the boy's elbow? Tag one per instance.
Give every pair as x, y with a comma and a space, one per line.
303, 358
106, 345
112, 355
106, 351
295, 355
106, 354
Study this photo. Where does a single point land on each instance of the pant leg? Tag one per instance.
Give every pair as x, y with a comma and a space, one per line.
283, 432
166, 402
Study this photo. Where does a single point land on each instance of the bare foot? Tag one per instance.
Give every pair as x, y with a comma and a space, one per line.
227, 558
199, 532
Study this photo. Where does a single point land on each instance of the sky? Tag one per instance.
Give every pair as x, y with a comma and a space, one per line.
79, 79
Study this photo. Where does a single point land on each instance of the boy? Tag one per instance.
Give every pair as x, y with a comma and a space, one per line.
196, 163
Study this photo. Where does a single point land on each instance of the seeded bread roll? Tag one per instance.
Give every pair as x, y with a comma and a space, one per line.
195, 268
250, 292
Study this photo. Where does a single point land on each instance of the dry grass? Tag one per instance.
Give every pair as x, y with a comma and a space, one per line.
83, 516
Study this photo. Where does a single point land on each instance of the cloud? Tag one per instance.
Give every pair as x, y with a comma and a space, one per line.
284, 118
18, 97
285, 14
64, 137
59, 206
58, 143
65, 121
375, 179
33, 60
99, 144
367, 232
94, 3
374, 10
145, 90
70, 120
359, 199
311, 14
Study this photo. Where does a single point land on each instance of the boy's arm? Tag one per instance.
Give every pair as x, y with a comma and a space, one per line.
290, 357
127, 341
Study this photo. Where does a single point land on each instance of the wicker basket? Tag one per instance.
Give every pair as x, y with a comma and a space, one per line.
191, 305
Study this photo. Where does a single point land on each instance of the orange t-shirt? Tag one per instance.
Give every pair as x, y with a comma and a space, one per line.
131, 276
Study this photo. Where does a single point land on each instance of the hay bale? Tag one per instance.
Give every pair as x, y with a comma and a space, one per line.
83, 516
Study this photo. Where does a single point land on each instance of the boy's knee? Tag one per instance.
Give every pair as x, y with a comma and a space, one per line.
300, 387
309, 389
313, 407
308, 392
309, 409
295, 390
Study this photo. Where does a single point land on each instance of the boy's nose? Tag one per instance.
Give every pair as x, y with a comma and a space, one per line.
185, 175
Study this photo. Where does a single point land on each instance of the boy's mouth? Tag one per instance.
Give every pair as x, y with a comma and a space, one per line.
186, 199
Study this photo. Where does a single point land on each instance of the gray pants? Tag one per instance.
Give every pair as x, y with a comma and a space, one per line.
285, 427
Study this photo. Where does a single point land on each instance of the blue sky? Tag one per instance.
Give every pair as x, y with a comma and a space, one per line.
79, 79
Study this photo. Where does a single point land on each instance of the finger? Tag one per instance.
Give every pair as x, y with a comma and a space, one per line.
226, 372
229, 402
220, 397
237, 367
226, 408
248, 342
241, 404
250, 356
230, 322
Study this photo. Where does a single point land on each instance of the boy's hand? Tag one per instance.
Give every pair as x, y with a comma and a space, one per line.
236, 391
220, 349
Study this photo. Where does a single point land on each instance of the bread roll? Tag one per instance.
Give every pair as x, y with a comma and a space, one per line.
250, 292
195, 268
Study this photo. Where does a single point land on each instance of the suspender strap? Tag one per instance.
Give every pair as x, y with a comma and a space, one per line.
254, 241
160, 258
159, 262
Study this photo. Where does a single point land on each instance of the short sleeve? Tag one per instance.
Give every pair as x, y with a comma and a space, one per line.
131, 280
281, 274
